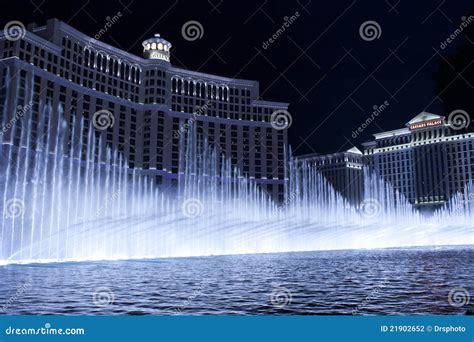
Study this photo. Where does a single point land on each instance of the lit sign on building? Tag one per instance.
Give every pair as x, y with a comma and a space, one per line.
425, 124
159, 55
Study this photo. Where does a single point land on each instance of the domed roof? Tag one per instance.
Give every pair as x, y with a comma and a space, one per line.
157, 48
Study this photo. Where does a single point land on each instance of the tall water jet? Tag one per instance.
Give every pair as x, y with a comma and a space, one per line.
69, 198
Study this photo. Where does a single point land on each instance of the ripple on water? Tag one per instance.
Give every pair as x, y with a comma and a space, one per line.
386, 281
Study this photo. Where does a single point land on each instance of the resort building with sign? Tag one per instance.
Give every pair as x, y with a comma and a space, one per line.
428, 161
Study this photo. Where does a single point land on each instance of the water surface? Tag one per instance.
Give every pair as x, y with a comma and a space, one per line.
366, 282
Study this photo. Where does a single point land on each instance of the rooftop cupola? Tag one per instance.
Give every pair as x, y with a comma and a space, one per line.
157, 48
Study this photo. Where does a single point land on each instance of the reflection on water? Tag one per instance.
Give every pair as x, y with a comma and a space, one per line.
365, 282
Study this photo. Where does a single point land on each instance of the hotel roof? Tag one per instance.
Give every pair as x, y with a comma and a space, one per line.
424, 116
353, 150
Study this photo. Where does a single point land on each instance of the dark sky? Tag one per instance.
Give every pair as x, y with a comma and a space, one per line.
320, 64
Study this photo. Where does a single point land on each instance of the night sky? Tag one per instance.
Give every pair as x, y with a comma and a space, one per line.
320, 65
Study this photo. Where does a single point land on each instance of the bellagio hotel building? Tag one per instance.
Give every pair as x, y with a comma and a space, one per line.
150, 99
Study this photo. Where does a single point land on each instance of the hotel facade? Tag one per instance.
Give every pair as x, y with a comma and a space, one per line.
150, 101
343, 170
428, 161
152, 104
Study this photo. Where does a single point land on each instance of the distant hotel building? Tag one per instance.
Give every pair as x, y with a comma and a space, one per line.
150, 99
428, 161
343, 170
